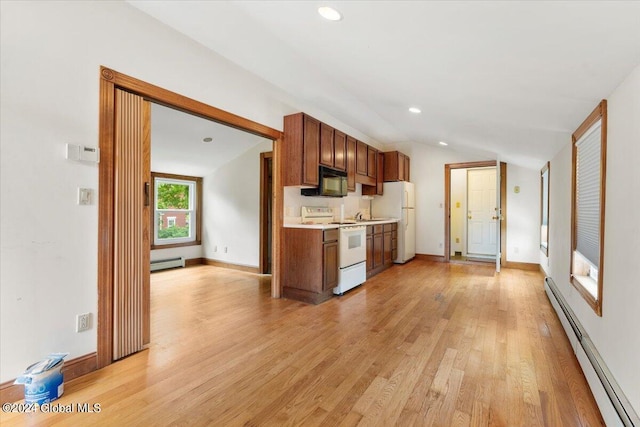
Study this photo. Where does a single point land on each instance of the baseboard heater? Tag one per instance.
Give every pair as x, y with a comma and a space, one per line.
619, 401
163, 264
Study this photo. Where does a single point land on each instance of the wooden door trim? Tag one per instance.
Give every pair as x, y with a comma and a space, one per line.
110, 80
447, 204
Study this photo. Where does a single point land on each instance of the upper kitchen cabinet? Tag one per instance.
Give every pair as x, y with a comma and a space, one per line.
326, 145
396, 166
362, 158
366, 164
301, 150
351, 163
340, 150
372, 162
377, 189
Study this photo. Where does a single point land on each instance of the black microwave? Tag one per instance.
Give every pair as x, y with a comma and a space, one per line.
332, 183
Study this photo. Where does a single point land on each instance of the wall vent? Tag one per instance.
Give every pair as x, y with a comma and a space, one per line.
163, 264
619, 401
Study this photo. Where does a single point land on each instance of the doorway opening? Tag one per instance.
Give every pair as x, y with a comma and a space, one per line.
123, 206
474, 210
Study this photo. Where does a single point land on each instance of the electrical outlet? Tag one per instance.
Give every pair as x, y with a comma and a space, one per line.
225, 249
83, 322
215, 248
440, 245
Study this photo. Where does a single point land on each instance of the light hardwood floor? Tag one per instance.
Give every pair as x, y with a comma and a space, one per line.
420, 344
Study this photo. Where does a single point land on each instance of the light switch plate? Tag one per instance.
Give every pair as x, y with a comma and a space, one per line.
85, 196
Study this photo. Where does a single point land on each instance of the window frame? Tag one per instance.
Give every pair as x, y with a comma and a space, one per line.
197, 209
598, 114
545, 184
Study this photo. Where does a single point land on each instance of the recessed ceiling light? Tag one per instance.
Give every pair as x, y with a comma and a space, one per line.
329, 13
415, 110
207, 139
443, 143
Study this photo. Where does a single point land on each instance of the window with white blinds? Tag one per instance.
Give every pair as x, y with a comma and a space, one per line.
587, 215
588, 194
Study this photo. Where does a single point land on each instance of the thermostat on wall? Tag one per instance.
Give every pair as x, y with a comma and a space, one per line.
82, 153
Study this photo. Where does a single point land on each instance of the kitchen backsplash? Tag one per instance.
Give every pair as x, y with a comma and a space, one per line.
353, 204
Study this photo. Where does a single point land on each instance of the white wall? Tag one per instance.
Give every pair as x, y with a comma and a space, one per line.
231, 210
615, 334
50, 55
523, 215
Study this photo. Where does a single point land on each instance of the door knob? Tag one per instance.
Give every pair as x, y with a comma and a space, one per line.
469, 217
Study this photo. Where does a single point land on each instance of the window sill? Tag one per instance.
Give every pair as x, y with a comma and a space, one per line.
590, 285
176, 245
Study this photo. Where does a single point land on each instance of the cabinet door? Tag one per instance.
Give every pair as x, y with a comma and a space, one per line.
351, 164
369, 252
326, 145
361, 158
311, 143
378, 248
388, 248
380, 175
372, 162
401, 164
330, 266
339, 150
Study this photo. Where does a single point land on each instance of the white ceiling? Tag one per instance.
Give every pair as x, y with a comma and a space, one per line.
511, 79
177, 143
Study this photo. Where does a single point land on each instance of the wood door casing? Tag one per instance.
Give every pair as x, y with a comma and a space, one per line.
503, 204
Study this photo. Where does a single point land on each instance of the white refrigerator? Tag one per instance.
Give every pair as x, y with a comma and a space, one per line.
398, 201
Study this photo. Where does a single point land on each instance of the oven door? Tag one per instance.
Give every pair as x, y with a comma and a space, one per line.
353, 245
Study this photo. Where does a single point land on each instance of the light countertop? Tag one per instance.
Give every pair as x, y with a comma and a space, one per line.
330, 226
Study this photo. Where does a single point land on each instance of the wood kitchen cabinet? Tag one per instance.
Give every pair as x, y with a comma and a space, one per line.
351, 163
366, 166
387, 237
378, 189
372, 162
397, 166
381, 246
362, 158
310, 265
378, 250
301, 150
326, 145
394, 241
329, 265
340, 150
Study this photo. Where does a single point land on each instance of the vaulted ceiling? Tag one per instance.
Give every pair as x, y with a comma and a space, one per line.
510, 79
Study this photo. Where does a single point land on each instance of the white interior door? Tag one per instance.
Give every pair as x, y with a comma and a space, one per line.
481, 209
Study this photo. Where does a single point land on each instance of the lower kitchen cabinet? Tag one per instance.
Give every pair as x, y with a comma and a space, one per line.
310, 265
329, 265
382, 244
